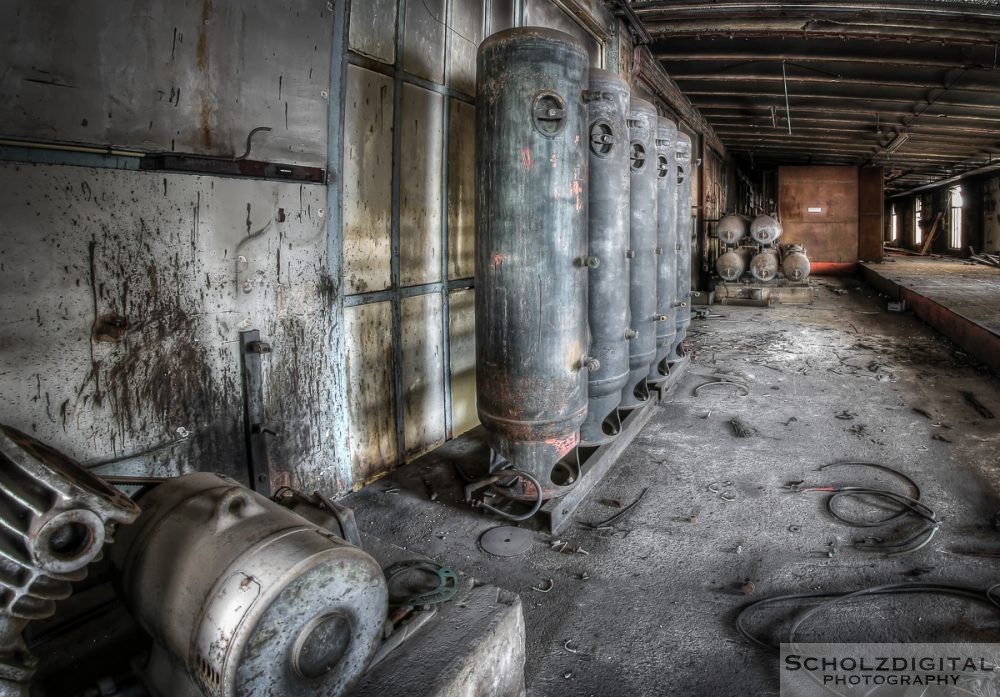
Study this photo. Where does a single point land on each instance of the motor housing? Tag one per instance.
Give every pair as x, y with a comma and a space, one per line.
245, 597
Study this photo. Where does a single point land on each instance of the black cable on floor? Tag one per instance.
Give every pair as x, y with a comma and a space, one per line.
987, 597
906, 505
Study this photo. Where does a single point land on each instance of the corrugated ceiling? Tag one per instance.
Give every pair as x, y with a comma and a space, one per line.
913, 86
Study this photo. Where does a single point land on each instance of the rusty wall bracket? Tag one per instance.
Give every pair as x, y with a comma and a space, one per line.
254, 426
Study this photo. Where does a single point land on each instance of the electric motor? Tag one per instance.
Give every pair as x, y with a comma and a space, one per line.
730, 265
245, 597
732, 228
765, 230
764, 265
795, 264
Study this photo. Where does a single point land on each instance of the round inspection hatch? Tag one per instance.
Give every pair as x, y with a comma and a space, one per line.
506, 541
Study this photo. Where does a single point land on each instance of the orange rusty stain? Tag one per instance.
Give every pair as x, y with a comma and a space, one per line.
554, 160
202, 51
576, 190
526, 157
497, 259
565, 443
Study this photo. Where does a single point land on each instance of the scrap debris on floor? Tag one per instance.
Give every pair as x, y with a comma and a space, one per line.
825, 473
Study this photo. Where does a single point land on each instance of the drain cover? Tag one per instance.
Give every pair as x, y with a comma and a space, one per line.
506, 541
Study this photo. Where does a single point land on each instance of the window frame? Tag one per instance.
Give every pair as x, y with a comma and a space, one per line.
918, 211
955, 217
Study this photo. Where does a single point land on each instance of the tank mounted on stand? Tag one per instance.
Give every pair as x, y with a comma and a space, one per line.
532, 256
608, 309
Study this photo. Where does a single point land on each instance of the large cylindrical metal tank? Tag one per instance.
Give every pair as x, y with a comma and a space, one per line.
666, 248
730, 265
531, 247
244, 596
795, 264
765, 229
732, 228
642, 243
684, 243
608, 146
764, 265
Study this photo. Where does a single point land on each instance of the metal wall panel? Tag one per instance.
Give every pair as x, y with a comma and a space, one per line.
829, 233
423, 374
367, 177
461, 190
123, 295
542, 13
420, 186
462, 337
371, 389
501, 16
467, 33
372, 29
423, 39
169, 76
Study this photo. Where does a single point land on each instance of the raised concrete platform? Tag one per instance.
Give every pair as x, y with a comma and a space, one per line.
956, 299
472, 646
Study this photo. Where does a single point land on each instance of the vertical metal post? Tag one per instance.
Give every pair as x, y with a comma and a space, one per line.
394, 273
343, 474
445, 297
254, 427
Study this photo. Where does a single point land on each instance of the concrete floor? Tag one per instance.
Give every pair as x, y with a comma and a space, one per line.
650, 609
970, 290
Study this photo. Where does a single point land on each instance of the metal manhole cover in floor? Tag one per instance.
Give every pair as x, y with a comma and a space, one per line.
506, 541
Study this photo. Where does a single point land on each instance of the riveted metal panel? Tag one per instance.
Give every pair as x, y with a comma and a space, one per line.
462, 337
190, 77
542, 13
423, 372
371, 389
423, 39
372, 30
420, 186
467, 33
124, 294
367, 180
461, 189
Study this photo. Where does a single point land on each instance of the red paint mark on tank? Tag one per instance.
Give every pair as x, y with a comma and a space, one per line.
576, 190
564, 444
497, 260
526, 158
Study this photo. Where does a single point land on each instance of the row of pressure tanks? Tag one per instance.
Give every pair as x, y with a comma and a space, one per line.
752, 247
583, 260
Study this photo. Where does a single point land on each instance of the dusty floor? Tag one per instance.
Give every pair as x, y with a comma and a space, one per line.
969, 290
650, 610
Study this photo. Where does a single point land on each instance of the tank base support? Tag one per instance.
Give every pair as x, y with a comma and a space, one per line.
597, 462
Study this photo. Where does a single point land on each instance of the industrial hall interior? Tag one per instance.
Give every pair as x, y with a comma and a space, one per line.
498, 348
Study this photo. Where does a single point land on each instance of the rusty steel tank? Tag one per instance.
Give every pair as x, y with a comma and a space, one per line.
795, 264
531, 250
730, 265
608, 145
642, 248
666, 252
765, 229
764, 265
683, 247
732, 228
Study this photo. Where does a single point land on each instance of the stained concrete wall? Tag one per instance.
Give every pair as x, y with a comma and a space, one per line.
123, 296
